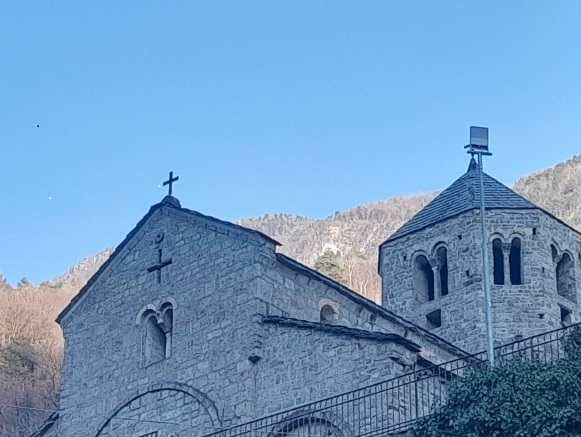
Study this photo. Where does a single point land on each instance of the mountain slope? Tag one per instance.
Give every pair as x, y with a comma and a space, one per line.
558, 190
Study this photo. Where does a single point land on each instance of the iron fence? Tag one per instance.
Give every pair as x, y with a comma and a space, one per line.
392, 406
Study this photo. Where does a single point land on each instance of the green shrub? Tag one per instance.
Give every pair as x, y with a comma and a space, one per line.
516, 398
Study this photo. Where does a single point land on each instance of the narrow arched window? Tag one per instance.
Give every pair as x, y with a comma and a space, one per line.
423, 279
153, 344
442, 257
565, 275
167, 316
515, 261
328, 314
498, 261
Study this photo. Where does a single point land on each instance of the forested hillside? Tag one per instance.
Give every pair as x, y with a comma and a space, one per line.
343, 246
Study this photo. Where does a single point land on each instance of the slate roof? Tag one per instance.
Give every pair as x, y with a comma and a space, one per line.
462, 196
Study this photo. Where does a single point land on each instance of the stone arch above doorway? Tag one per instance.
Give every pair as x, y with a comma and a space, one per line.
170, 408
312, 424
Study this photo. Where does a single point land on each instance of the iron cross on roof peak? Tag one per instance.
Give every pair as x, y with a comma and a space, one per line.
170, 182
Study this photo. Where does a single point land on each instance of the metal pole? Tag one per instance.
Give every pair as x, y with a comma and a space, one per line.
485, 263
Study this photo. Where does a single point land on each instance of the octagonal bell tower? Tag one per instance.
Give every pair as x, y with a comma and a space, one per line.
431, 268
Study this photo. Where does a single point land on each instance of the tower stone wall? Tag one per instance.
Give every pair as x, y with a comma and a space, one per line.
522, 309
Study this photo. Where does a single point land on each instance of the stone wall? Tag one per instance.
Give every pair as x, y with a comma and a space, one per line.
210, 282
323, 364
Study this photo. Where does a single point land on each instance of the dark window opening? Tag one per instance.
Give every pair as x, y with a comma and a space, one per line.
442, 257
498, 262
328, 314
468, 273
515, 261
156, 334
566, 317
565, 275
423, 279
167, 311
434, 319
534, 231
154, 341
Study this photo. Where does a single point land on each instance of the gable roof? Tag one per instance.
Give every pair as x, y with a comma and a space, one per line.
462, 196
169, 202
370, 305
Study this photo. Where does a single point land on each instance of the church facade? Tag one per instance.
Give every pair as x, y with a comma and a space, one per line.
195, 325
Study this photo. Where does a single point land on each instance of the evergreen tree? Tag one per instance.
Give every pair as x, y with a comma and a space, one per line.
329, 264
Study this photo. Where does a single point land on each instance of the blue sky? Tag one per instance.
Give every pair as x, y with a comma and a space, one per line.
304, 107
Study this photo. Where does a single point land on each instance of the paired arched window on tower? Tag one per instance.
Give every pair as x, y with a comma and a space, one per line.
423, 279
515, 261
514, 265
431, 276
442, 260
498, 261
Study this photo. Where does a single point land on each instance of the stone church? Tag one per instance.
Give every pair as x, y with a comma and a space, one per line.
195, 324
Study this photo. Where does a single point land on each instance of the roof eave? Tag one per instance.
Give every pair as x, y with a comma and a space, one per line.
343, 330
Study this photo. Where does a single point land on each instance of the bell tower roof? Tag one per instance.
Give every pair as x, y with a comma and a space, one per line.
462, 196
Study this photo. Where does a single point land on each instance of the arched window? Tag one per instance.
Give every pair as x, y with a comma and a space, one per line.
153, 344
423, 279
515, 261
156, 333
442, 257
498, 261
565, 274
328, 314
167, 317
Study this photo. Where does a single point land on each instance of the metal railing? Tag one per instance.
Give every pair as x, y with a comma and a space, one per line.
392, 406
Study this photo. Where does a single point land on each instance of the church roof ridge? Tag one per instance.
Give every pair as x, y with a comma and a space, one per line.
461, 196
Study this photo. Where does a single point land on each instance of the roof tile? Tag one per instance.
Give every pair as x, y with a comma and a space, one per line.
462, 196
